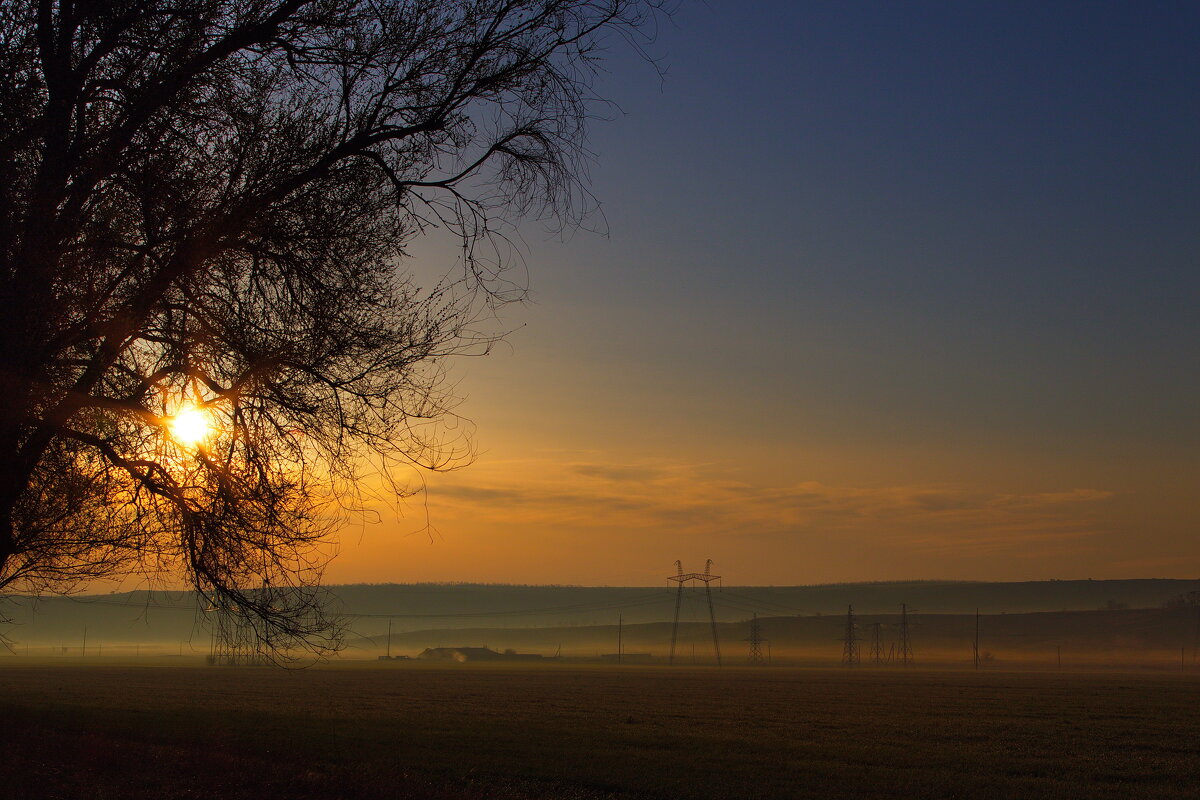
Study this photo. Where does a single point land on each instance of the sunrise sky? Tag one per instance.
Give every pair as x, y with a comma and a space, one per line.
889, 291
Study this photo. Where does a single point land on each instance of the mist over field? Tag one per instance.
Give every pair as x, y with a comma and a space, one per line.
1091, 622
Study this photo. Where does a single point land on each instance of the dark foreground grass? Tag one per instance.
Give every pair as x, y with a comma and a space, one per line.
570, 732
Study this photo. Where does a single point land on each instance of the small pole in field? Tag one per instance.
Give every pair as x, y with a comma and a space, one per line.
620, 631
975, 644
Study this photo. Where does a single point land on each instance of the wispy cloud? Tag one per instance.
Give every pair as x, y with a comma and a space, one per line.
684, 500
620, 473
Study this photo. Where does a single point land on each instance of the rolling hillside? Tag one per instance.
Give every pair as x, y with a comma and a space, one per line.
171, 621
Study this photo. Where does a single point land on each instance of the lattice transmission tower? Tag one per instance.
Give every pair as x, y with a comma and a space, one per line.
241, 638
756, 640
681, 578
850, 640
904, 651
235, 640
876, 643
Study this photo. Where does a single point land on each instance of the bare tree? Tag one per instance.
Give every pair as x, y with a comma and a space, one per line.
208, 330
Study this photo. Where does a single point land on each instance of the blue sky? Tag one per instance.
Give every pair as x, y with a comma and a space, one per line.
917, 256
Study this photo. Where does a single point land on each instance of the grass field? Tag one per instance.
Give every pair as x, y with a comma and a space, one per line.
411, 730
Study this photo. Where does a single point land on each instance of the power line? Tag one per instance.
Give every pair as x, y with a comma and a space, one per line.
606, 605
770, 604
642, 600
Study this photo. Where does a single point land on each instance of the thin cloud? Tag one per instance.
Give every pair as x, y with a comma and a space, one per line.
597, 495
618, 473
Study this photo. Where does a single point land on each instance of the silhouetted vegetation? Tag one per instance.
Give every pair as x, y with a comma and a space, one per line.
204, 210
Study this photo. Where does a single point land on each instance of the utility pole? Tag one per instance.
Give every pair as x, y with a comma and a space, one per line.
850, 641
389, 640
1058, 649
83, 650
905, 653
1196, 634
975, 644
620, 625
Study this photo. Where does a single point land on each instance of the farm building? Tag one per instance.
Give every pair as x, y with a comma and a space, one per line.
464, 654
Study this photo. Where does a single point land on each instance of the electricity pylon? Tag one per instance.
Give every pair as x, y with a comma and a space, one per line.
850, 642
904, 656
876, 643
680, 577
235, 640
756, 640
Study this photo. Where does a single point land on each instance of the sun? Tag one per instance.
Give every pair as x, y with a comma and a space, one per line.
190, 426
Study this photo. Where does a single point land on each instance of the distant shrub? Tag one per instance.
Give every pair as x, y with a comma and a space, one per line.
1185, 600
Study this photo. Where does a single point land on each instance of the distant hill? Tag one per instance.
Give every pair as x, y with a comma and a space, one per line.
1134, 637
486, 605
171, 621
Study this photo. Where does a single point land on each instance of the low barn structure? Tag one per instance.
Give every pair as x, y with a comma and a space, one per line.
464, 654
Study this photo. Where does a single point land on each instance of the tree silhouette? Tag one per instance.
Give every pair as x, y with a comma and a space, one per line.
204, 208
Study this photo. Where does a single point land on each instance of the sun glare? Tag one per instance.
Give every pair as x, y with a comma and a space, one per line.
190, 427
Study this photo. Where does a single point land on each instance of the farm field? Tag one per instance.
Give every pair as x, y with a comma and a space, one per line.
563, 731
